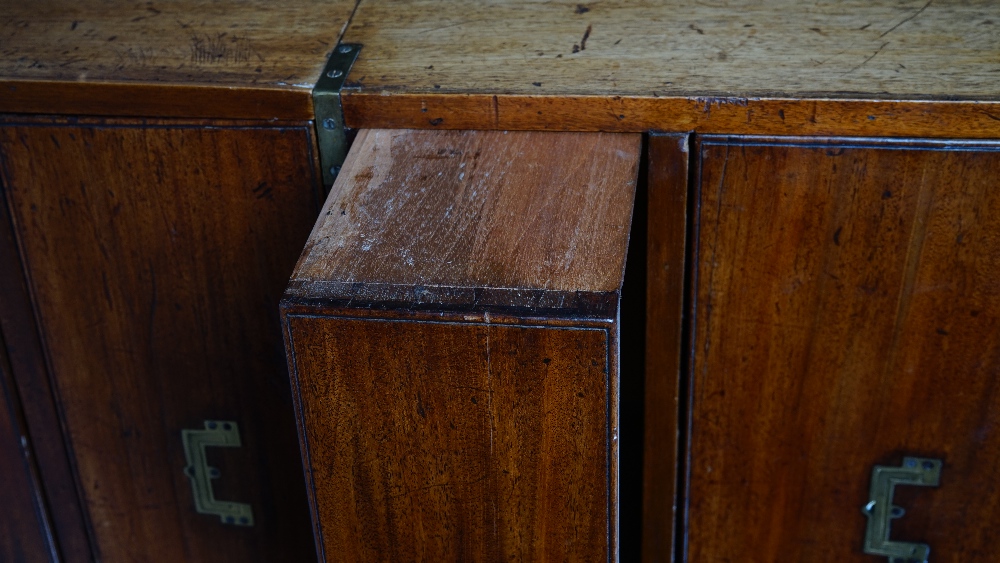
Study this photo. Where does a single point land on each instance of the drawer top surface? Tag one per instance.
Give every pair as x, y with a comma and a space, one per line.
451, 217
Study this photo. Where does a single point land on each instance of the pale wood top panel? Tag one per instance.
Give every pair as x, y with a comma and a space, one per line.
882, 49
476, 209
253, 43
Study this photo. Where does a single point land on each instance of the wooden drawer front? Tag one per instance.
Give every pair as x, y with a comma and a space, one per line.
452, 333
847, 313
433, 441
156, 255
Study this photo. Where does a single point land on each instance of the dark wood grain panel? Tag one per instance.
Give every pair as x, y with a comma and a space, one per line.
848, 314
442, 442
665, 273
534, 215
25, 534
30, 382
157, 254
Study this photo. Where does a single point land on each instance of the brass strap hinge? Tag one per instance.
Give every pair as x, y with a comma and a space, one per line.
330, 134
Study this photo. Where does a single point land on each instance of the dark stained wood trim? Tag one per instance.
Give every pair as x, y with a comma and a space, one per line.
709, 114
153, 100
42, 415
665, 267
10, 404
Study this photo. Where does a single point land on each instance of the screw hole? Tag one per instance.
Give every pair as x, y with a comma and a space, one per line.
227, 426
212, 425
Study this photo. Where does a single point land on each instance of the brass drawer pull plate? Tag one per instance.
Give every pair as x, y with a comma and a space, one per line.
222, 433
924, 472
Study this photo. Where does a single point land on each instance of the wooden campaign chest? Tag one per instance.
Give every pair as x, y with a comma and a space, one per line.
664, 280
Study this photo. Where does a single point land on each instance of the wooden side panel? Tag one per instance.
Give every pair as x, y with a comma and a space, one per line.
24, 533
156, 255
30, 382
848, 314
665, 260
455, 442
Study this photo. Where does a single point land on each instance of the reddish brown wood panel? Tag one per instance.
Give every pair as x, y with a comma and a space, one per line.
30, 382
431, 441
156, 255
847, 314
719, 114
24, 527
665, 270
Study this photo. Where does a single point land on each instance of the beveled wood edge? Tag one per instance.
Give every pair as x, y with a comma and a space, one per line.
312, 309
708, 114
498, 305
127, 99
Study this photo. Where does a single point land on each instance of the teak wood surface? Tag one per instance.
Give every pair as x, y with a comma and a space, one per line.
191, 58
667, 210
156, 254
432, 441
846, 314
452, 333
469, 219
860, 68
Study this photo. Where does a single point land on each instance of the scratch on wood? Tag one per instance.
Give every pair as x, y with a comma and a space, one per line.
715, 101
864, 62
915, 14
221, 49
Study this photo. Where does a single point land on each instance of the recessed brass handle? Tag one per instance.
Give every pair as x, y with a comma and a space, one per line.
880, 511
216, 433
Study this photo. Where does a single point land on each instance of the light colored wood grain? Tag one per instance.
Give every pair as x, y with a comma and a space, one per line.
881, 68
660, 48
69, 45
253, 43
426, 210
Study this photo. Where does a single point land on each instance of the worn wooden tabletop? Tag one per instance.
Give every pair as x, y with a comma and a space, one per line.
857, 67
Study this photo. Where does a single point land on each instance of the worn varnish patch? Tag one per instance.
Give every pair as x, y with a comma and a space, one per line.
474, 217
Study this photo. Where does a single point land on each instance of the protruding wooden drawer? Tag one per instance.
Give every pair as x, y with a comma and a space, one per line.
452, 336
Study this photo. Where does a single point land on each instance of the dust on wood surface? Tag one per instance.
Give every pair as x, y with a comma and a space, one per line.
247, 44
475, 209
655, 48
